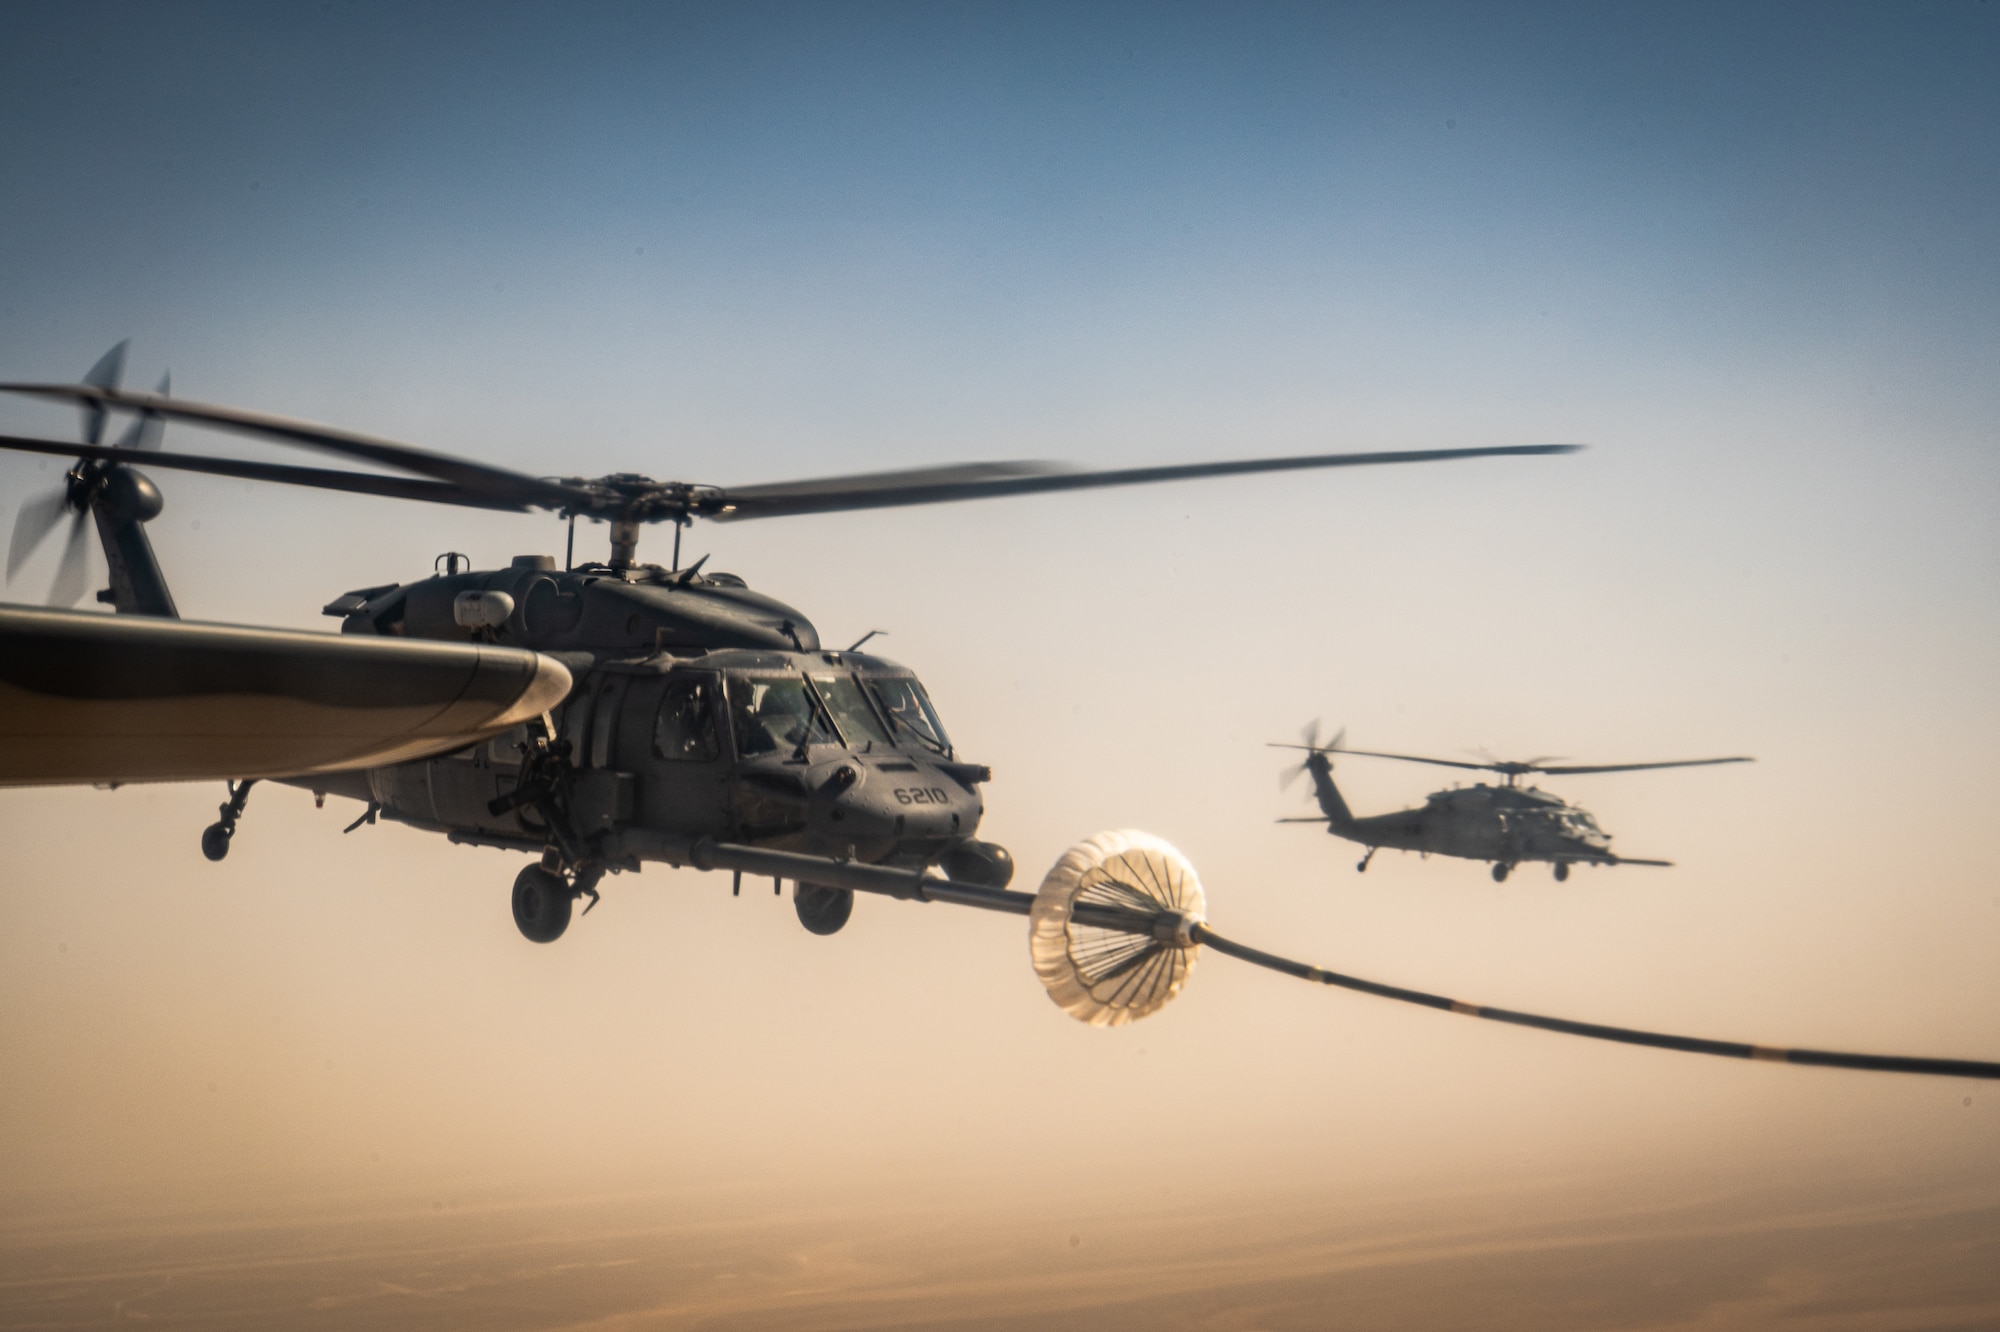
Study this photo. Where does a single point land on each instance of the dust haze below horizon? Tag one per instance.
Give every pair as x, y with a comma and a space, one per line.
1748, 258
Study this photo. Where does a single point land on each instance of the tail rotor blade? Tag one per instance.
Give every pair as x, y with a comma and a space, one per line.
73, 574
147, 428
110, 368
38, 517
151, 427
1310, 743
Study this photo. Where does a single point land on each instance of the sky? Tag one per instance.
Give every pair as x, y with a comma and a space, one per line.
1747, 255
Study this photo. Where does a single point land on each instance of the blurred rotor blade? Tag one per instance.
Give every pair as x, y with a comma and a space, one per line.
359, 483
1308, 741
477, 478
147, 428
140, 698
938, 485
1636, 767
38, 517
110, 368
73, 574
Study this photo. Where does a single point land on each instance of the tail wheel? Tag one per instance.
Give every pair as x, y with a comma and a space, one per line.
541, 904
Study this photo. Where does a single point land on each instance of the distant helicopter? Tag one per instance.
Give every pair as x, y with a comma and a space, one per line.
1506, 824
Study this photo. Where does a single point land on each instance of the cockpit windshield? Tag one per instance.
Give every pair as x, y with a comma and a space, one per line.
910, 712
776, 712
857, 721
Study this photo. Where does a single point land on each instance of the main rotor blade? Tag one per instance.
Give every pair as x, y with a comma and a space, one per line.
1636, 767
37, 518
494, 482
938, 485
360, 483
1442, 763
1952, 1068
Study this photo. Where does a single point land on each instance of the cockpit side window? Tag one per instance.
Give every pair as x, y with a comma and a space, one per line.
776, 713
685, 728
857, 721
910, 712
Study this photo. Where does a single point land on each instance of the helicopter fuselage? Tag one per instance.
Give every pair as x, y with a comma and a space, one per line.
701, 710
1482, 822
1504, 824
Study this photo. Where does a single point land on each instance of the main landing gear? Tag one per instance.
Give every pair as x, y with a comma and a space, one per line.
1362, 868
1501, 870
215, 837
541, 904
543, 899
1562, 871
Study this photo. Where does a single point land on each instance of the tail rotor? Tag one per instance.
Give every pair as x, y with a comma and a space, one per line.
40, 515
1308, 741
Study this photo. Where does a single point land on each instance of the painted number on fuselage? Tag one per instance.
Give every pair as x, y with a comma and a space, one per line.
922, 795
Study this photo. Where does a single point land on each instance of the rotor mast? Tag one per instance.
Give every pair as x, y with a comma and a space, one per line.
624, 542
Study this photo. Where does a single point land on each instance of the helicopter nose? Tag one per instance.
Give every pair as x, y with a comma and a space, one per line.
843, 809
854, 806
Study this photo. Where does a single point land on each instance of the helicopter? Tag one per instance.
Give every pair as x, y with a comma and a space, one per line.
1508, 823
686, 719
699, 707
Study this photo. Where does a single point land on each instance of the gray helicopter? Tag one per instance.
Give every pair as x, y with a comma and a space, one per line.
688, 710
1506, 824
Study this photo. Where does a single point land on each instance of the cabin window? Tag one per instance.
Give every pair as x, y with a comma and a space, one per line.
778, 713
685, 727
857, 721
903, 701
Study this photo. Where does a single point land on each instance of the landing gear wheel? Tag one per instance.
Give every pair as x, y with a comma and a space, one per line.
1562, 871
822, 910
1501, 871
215, 837
541, 904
